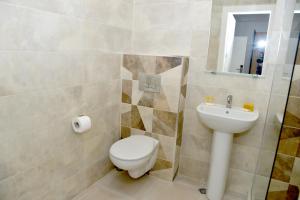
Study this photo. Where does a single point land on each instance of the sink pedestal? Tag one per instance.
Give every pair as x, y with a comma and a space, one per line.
219, 165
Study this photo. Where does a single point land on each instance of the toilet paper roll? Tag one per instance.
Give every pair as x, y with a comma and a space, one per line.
81, 124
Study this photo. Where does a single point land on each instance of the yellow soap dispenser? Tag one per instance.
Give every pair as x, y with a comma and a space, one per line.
209, 99
249, 107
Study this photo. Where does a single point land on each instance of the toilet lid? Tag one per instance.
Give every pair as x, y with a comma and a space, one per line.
133, 148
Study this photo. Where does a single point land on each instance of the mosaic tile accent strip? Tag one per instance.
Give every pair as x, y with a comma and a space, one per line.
155, 114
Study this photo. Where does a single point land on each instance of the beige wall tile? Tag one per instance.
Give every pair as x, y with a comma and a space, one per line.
61, 59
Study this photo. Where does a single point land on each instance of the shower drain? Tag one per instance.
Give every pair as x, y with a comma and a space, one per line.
202, 190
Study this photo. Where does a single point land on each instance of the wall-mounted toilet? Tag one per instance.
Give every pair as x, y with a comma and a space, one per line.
136, 154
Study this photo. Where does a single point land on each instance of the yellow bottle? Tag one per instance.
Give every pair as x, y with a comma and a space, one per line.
249, 106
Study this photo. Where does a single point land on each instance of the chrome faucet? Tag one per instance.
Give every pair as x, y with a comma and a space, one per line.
229, 101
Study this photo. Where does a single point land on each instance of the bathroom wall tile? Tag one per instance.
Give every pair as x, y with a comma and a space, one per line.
288, 132
137, 64
59, 64
265, 163
164, 123
162, 164
295, 87
166, 63
166, 146
116, 12
292, 192
289, 146
196, 144
126, 115
161, 102
147, 99
146, 116
155, 114
136, 120
126, 91
295, 176
242, 160
271, 136
260, 186
168, 98
179, 128
291, 120
292, 116
8, 189
239, 181
283, 167
135, 131
162, 42
194, 168
276, 185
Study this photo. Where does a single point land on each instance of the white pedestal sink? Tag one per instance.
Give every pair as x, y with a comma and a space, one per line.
225, 122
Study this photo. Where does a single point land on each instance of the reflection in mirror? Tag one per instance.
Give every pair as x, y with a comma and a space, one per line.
239, 36
244, 50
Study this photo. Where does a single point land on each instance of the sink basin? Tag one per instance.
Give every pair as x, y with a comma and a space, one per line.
229, 120
225, 122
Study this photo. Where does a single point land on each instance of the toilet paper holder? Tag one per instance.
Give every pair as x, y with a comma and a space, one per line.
81, 124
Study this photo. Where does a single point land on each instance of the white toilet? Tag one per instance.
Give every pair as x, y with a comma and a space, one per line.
137, 154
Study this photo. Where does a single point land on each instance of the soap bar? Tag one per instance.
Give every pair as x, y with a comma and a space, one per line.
209, 99
249, 106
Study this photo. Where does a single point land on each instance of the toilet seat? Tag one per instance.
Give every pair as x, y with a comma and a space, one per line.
133, 148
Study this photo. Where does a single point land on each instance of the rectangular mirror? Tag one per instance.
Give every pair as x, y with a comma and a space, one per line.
239, 36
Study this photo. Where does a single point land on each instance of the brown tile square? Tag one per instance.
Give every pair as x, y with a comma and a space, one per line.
295, 87
126, 91
289, 146
283, 167
166, 63
164, 123
292, 193
277, 195
125, 132
292, 116
288, 132
291, 120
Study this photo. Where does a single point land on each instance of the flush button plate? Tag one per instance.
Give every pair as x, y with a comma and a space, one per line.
149, 82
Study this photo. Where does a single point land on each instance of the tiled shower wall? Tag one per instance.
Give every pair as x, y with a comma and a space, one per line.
159, 115
58, 59
285, 182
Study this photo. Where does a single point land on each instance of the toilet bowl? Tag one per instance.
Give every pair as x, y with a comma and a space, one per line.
136, 154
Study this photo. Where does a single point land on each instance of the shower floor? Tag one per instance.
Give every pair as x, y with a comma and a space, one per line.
117, 185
